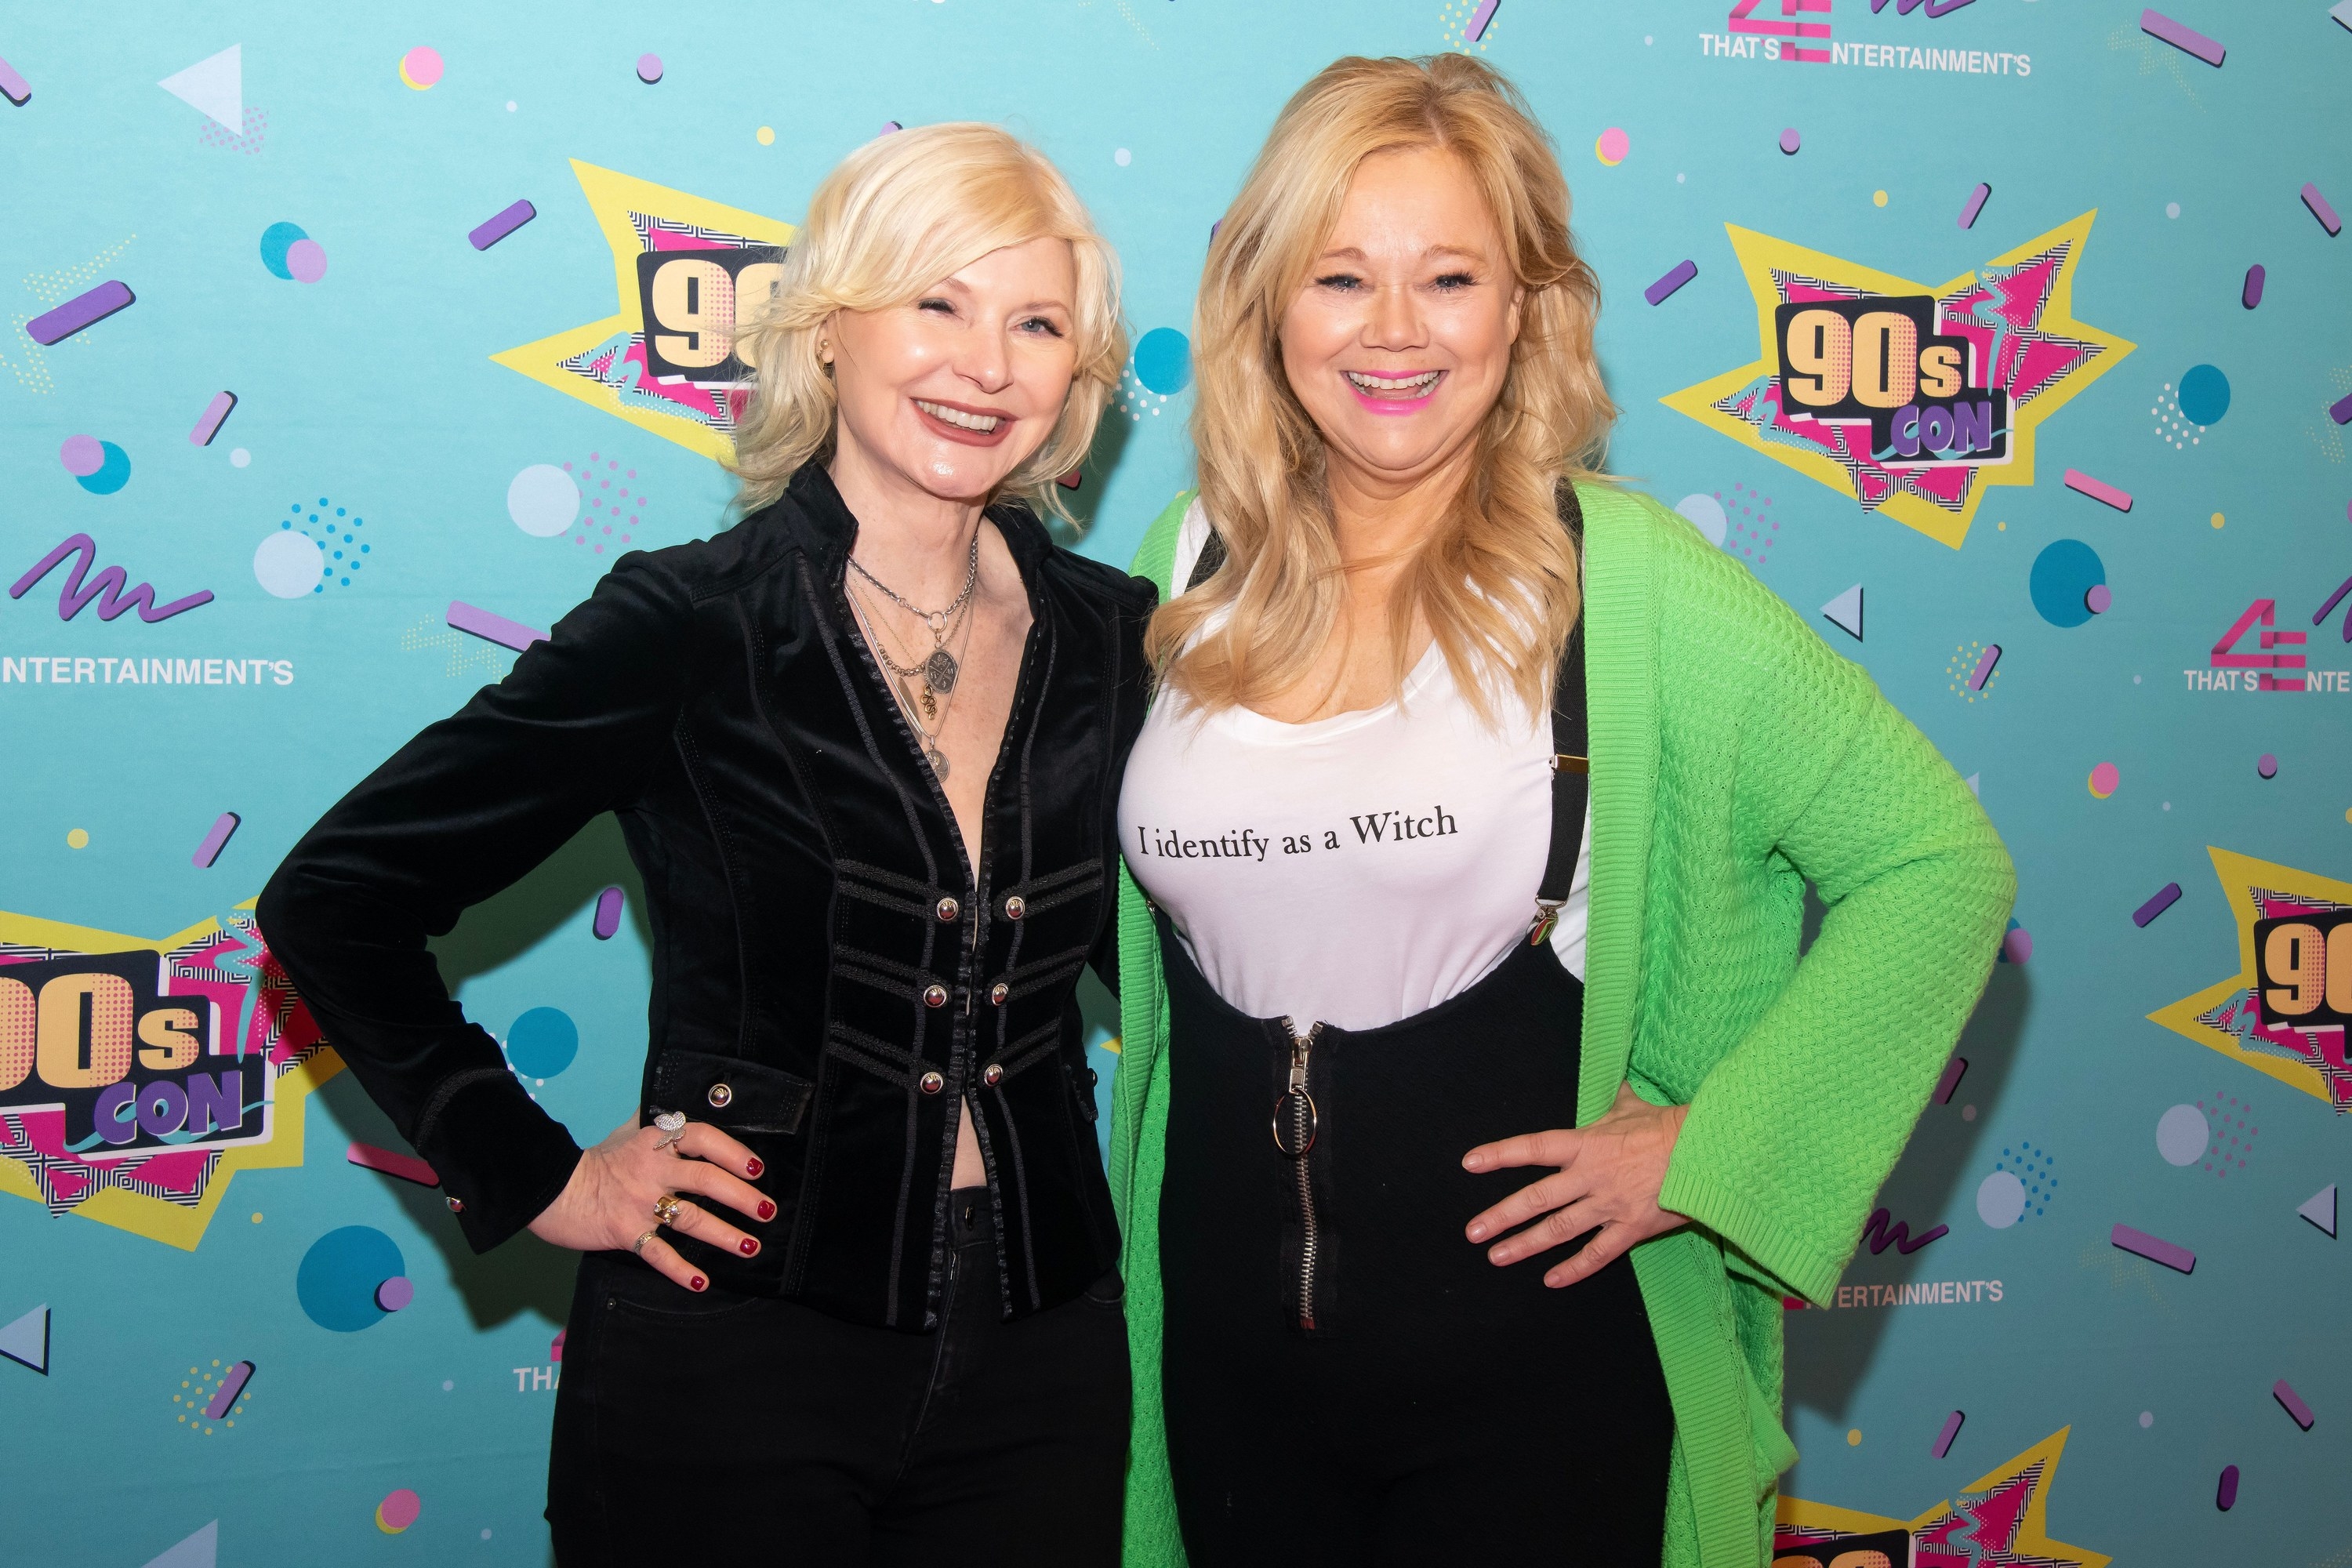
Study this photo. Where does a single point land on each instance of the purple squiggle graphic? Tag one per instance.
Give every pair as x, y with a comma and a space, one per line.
105, 587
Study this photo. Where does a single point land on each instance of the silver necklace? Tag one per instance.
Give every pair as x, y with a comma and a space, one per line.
929, 732
940, 669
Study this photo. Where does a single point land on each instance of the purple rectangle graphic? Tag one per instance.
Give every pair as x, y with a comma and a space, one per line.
1953, 1070
82, 311
467, 617
2157, 25
1476, 27
2166, 897
1975, 204
492, 230
215, 413
2293, 1404
2320, 209
2341, 411
2154, 1249
14, 85
216, 840
1985, 662
232, 1384
1657, 293
1944, 1438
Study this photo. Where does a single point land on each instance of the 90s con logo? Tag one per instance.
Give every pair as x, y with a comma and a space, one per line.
132, 1067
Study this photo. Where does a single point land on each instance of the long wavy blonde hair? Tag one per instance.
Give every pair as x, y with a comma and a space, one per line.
897, 215
1496, 584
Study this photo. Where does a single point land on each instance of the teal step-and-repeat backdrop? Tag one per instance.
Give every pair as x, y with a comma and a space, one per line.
2008, 341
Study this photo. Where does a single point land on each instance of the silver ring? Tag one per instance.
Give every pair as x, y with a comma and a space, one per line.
638, 1246
673, 1129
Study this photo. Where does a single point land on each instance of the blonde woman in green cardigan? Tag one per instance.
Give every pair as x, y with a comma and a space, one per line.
1468, 1131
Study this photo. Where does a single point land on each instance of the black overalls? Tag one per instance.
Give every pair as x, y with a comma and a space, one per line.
1347, 1379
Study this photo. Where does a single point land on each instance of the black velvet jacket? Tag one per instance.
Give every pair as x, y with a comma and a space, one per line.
830, 977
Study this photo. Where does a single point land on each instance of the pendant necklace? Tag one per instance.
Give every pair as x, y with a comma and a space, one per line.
940, 669
932, 720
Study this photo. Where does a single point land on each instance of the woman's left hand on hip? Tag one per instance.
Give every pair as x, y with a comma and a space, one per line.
1610, 1174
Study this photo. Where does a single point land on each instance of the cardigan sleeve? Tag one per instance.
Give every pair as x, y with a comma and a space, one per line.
1792, 1131
460, 812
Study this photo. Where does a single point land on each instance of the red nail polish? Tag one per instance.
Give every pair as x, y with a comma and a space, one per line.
753, 1167
747, 1246
767, 1209
700, 1283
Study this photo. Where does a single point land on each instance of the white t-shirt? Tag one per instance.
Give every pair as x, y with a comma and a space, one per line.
1354, 870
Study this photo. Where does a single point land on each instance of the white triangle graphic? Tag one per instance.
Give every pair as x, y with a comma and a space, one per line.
27, 1341
201, 1549
1844, 612
2320, 1208
215, 86
1972, 780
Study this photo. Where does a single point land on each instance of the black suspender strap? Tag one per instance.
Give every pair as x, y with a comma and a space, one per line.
1571, 767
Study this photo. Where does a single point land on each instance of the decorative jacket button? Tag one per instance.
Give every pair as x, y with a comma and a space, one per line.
1015, 908
935, 996
455, 1206
992, 1074
1093, 1078
932, 1083
720, 1096
999, 992
950, 909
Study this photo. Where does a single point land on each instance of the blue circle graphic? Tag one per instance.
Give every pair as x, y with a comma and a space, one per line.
340, 1275
2065, 571
113, 471
2204, 394
1164, 360
276, 241
542, 1042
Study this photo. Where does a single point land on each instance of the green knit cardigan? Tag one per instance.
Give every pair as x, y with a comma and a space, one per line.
1734, 758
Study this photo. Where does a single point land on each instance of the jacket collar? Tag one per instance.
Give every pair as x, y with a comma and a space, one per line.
821, 523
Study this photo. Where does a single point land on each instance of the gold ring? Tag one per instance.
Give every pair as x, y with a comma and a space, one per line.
665, 1209
638, 1246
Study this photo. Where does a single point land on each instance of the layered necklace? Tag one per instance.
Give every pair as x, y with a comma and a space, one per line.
927, 708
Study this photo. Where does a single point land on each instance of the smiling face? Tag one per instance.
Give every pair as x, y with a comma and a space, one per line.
1400, 340
950, 392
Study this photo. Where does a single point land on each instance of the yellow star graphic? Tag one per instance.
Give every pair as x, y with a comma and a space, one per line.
2013, 320
159, 1218
602, 363
2227, 1017
2000, 1519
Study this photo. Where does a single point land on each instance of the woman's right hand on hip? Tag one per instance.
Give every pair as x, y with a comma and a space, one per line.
610, 1202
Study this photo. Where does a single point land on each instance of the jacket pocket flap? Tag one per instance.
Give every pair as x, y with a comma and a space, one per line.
730, 1092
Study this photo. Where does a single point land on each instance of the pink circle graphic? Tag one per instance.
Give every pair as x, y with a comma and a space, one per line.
420, 68
81, 455
649, 68
398, 1511
2098, 599
307, 260
2105, 779
396, 1293
2267, 765
1612, 146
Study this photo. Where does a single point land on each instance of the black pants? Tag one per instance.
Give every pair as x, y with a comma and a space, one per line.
1439, 1409
756, 1433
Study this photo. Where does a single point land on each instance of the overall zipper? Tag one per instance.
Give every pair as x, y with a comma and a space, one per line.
1295, 1123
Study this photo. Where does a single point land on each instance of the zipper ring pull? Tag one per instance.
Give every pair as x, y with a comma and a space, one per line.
1296, 1120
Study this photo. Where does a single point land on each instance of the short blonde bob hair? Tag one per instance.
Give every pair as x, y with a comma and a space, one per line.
898, 215
1497, 581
